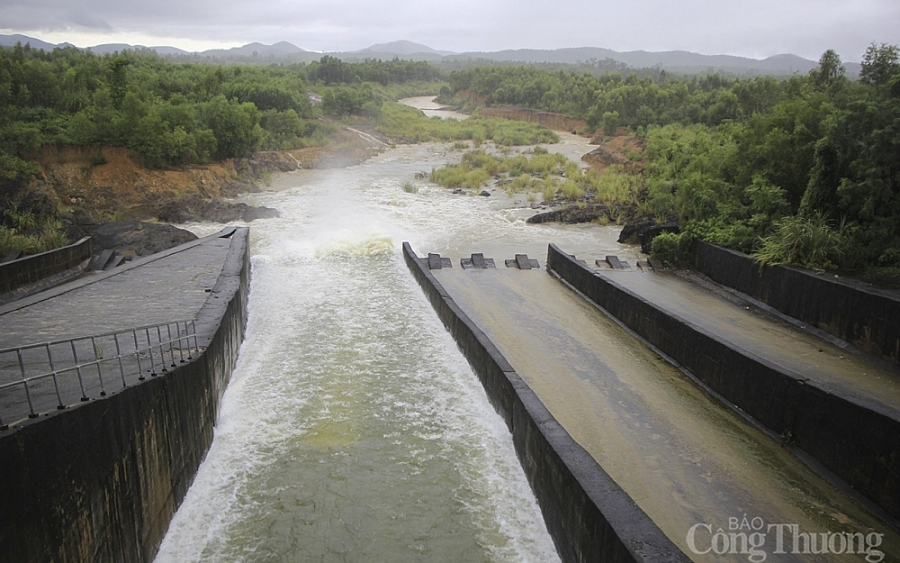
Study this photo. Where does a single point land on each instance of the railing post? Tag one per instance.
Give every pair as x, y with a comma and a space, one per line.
196, 346
171, 348
31, 413
59, 402
119, 357
150, 350
162, 354
99, 370
180, 346
137, 355
84, 396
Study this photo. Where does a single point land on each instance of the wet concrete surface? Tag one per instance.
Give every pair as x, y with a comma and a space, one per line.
683, 458
788, 346
165, 287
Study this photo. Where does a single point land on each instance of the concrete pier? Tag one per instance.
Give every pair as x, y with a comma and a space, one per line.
100, 480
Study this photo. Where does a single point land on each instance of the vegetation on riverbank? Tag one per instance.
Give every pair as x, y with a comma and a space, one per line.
20, 230
801, 171
408, 125
553, 177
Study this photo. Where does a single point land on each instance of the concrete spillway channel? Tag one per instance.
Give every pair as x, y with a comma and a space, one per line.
692, 465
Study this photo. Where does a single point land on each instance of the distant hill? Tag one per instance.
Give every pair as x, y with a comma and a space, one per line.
404, 48
280, 49
119, 47
674, 61
11, 40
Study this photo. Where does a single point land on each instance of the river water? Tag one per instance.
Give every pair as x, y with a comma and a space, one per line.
353, 429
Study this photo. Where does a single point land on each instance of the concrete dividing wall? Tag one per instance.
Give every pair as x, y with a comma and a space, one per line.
588, 515
855, 440
101, 482
863, 315
32, 269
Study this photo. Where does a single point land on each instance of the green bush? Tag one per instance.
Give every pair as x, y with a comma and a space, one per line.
672, 248
812, 242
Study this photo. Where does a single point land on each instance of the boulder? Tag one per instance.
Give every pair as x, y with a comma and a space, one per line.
136, 238
644, 231
266, 161
570, 214
216, 211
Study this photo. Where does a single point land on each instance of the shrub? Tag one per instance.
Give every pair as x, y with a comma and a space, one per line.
672, 248
812, 242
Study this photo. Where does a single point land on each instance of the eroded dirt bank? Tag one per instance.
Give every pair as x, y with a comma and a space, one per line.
108, 183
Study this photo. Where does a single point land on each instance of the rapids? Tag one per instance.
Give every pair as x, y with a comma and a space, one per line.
353, 429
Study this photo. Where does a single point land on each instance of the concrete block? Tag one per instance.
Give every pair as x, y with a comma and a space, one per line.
523, 262
477, 262
100, 261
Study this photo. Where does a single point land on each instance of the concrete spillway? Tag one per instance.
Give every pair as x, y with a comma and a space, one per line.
683, 458
787, 345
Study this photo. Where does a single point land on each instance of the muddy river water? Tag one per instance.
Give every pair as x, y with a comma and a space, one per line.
354, 430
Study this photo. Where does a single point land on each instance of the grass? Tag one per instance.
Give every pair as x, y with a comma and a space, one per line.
19, 230
536, 170
409, 125
812, 242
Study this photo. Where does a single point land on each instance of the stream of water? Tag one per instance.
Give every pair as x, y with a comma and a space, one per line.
353, 429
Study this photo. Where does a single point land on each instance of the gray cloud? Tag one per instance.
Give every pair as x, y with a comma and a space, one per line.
756, 28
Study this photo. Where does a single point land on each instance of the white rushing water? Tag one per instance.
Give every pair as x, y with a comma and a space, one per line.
353, 429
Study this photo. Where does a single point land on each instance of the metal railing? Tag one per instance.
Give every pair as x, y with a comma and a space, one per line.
42, 377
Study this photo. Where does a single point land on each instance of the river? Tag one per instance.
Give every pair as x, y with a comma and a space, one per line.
353, 429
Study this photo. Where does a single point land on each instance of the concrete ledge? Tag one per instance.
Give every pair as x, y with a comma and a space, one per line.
29, 271
865, 316
101, 482
44, 284
99, 276
858, 441
588, 515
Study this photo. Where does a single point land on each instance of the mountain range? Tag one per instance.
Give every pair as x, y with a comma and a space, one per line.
672, 61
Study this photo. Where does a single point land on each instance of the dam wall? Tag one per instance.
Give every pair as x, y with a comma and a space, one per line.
38, 272
855, 440
100, 482
860, 314
589, 517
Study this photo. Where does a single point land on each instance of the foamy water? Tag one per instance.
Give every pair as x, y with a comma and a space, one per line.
353, 429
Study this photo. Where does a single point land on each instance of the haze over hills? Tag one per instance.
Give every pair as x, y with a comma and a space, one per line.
673, 61
404, 48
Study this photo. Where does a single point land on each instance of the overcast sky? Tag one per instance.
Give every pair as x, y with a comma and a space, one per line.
757, 28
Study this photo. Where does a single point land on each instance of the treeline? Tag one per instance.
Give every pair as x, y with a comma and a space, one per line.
332, 70
616, 98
